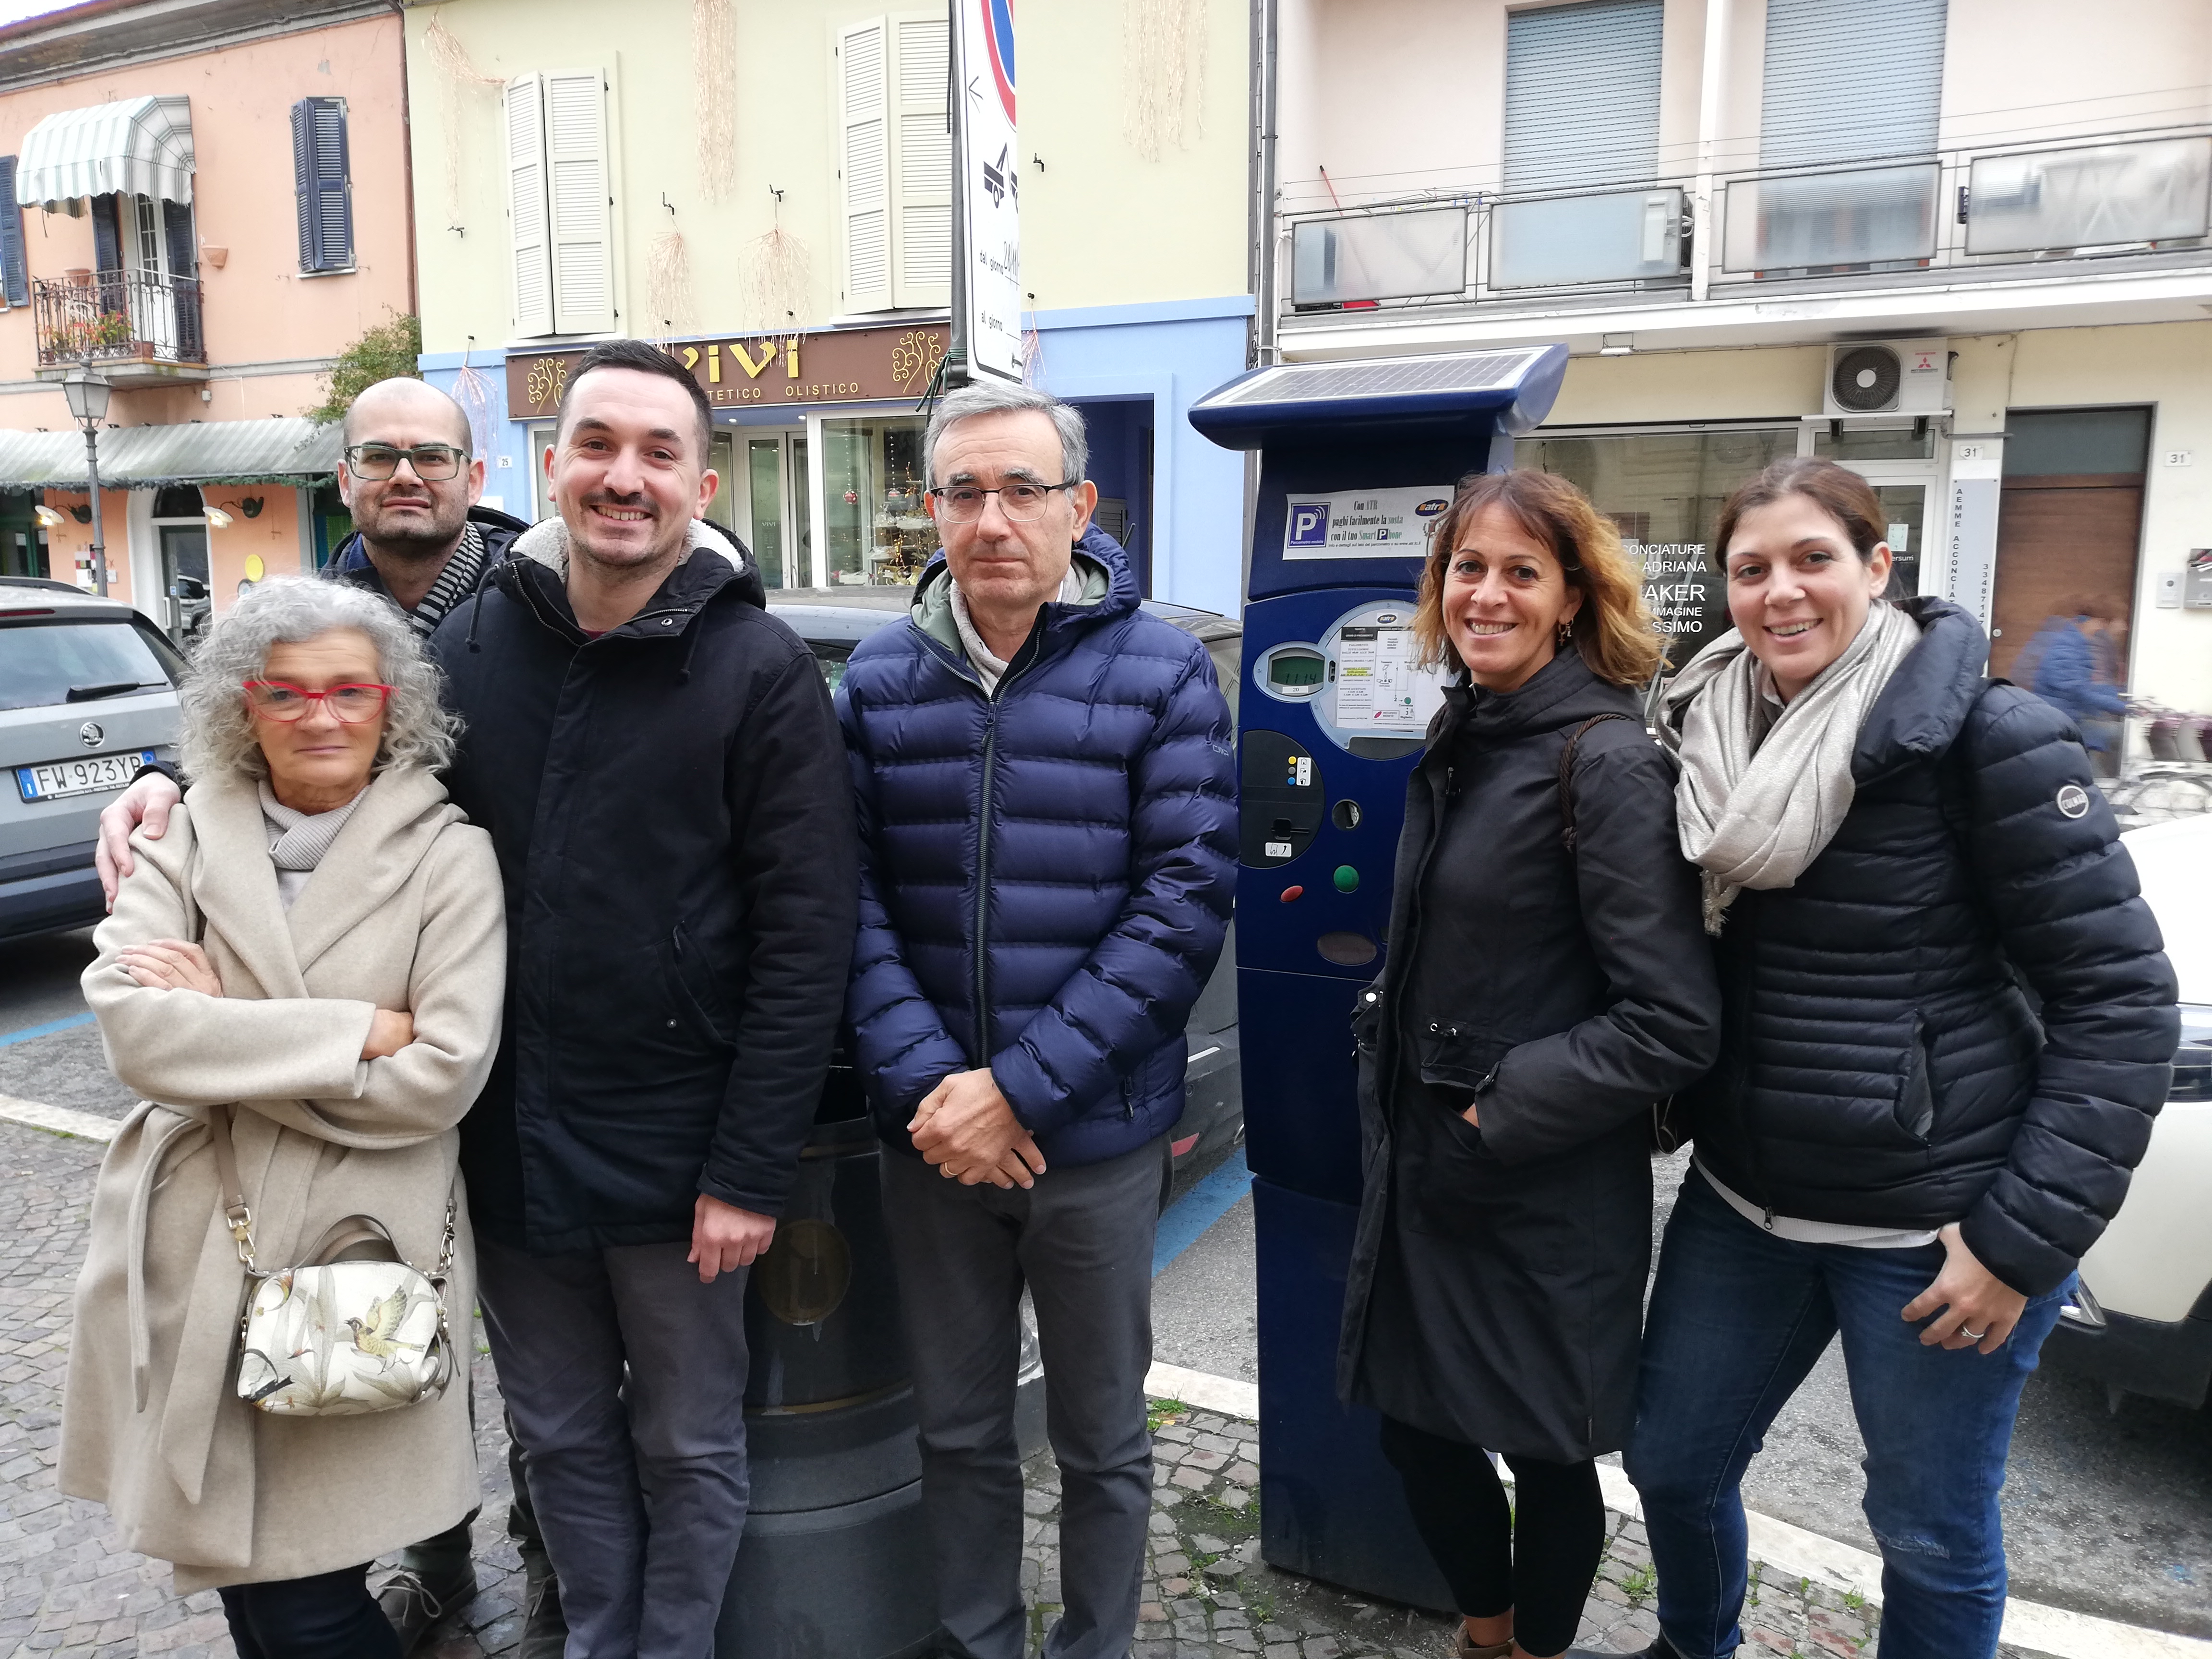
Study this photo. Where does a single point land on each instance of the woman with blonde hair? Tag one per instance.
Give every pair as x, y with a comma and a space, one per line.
1548, 980
302, 980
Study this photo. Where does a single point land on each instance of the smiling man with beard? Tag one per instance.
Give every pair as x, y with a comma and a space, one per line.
657, 761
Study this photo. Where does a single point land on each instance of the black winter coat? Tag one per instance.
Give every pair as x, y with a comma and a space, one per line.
1880, 1064
1497, 1281
675, 829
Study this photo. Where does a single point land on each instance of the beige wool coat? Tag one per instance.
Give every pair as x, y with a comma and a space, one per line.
404, 912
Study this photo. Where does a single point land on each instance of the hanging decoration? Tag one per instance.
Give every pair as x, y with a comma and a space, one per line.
472, 391
778, 269
457, 74
1164, 58
668, 285
714, 73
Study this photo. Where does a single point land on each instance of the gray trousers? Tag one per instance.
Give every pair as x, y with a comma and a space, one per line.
625, 1379
1082, 1241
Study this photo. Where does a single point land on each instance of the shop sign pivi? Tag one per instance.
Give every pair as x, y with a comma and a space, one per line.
755, 371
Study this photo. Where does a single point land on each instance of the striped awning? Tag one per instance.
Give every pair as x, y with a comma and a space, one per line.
139, 146
290, 451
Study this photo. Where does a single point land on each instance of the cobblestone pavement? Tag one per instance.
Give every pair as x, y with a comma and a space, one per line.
67, 1592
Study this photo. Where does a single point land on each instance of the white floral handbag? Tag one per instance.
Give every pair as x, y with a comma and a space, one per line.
354, 1328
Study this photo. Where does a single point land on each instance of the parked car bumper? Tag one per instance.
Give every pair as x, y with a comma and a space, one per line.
2163, 1359
1213, 1100
50, 890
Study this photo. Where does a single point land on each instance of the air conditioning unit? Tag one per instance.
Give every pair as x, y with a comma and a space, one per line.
1888, 377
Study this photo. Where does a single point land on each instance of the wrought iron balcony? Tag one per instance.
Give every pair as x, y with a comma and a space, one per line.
137, 330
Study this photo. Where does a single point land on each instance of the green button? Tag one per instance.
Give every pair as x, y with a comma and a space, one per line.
1348, 879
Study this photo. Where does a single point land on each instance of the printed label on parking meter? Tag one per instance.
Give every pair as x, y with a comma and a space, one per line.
1379, 687
1363, 524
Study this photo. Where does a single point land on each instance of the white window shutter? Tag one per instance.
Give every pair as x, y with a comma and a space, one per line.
921, 160
864, 163
532, 252
576, 196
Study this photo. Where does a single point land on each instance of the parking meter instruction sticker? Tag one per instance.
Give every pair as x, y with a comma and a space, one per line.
1363, 524
1379, 687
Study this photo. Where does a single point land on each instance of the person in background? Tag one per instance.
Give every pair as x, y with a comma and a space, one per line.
1543, 990
2073, 664
1895, 1146
314, 951
423, 541
1048, 811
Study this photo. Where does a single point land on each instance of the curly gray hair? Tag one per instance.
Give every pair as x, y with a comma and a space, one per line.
218, 736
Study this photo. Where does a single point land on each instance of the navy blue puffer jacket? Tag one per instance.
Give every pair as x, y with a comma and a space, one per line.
1046, 876
1879, 1062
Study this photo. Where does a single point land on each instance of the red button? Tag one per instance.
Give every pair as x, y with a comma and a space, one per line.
1290, 893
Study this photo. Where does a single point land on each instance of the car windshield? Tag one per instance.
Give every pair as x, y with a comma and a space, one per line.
41, 663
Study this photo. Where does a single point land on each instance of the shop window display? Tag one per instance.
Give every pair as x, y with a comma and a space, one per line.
879, 531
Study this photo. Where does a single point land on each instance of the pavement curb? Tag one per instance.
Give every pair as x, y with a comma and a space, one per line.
2031, 1629
58, 1120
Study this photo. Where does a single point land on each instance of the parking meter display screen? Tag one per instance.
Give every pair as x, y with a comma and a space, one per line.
1295, 670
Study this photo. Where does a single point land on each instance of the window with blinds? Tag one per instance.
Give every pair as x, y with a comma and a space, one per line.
1582, 94
559, 218
322, 187
893, 146
1850, 83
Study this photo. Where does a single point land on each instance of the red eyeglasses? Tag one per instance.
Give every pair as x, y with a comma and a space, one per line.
280, 700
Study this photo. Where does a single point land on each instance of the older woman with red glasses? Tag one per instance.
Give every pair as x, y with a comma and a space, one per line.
302, 979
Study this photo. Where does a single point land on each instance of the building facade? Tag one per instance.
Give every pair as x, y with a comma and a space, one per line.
205, 202
1960, 245
765, 185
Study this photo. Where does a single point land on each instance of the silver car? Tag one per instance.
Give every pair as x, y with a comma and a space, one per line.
88, 695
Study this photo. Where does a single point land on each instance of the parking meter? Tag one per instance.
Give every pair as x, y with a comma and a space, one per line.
1356, 459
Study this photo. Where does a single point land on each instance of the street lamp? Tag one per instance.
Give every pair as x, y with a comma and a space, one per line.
88, 394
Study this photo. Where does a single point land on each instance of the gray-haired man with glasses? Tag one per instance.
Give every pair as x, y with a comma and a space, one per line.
412, 481
1047, 853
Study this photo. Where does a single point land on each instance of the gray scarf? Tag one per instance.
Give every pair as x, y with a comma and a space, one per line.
988, 668
1758, 803
297, 841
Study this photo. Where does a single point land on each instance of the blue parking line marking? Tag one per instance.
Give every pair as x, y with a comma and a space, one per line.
47, 1029
1190, 1216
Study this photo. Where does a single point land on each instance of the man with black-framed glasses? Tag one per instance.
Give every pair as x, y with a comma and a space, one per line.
411, 479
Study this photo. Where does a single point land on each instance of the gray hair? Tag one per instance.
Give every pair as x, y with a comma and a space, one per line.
1000, 397
218, 736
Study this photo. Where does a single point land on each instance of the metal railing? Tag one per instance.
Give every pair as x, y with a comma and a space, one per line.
1984, 208
117, 317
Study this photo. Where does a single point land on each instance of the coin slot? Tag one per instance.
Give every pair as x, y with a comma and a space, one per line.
1346, 814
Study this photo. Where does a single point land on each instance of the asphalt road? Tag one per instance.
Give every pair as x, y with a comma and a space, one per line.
2108, 1513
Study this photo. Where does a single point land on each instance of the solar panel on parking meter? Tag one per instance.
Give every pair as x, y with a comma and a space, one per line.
1356, 459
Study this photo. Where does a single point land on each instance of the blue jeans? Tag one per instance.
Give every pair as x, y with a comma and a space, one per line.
1737, 1320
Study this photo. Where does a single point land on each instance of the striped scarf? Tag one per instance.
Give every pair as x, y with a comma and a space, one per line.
455, 582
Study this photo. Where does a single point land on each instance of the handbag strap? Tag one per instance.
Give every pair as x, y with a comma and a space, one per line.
232, 1192
1566, 779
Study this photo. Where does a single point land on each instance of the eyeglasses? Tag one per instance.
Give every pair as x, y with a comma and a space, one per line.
280, 700
1022, 502
432, 463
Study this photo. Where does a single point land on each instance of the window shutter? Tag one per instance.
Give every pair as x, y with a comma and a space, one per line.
921, 197
864, 164
531, 249
1582, 94
1850, 83
321, 184
576, 192
14, 275
106, 233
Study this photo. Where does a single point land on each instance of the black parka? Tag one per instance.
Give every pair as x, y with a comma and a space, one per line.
1881, 1063
675, 830
1496, 1282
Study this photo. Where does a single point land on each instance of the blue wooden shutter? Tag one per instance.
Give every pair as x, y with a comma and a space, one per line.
322, 190
106, 233
14, 279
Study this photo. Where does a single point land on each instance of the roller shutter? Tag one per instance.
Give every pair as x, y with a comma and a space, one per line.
1850, 82
1582, 94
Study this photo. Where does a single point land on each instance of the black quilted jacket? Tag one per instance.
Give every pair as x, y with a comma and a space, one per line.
1882, 1062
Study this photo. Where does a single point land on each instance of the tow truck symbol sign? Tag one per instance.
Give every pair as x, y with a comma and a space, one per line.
994, 176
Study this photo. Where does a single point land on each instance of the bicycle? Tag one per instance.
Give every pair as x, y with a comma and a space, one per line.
2176, 781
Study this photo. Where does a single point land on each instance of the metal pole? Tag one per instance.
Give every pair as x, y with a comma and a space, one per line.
99, 542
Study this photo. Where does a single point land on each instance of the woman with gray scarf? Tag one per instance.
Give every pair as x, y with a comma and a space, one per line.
1896, 1146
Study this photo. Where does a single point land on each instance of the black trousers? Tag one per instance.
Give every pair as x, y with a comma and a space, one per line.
328, 1616
1535, 1556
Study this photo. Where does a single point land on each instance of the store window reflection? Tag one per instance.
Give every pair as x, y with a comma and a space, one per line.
1665, 490
878, 528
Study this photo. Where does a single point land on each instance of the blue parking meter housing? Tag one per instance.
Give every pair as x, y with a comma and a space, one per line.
1356, 460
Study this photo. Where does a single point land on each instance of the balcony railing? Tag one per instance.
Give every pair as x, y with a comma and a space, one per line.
117, 319
1983, 209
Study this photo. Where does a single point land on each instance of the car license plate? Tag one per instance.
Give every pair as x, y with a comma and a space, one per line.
92, 776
